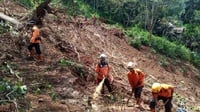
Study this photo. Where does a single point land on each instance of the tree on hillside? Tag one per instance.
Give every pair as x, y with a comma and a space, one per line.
191, 18
192, 12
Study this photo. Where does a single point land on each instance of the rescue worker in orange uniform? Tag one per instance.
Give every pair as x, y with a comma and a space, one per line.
162, 92
102, 70
35, 42
136, 80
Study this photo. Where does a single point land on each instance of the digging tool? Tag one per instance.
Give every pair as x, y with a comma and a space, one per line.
98, 89
129, 98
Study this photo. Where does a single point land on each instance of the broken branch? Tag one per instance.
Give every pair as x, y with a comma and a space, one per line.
10, 19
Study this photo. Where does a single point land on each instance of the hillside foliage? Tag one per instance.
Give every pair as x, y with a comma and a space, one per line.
154, 17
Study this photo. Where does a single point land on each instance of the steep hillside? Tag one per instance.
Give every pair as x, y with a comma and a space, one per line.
71, 46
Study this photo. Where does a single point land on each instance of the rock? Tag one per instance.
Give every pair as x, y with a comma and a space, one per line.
192, 99
40, 100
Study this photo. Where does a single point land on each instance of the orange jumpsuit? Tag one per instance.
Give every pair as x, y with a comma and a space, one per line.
165, 94
136, 80
103, 69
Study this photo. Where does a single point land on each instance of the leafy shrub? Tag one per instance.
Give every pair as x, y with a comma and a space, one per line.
144, 40
195, 58
4, 27
11, 91
75, 67
136, 32
163, 61
27, 3
136, 43
30, 3
162, 45
2, 30
66, 62
170, 49
78, 7
157, 43
183, 52
192, 37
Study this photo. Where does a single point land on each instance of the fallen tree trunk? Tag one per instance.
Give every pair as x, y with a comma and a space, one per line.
10, 19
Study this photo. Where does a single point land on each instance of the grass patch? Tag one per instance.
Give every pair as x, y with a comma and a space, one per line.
76, 68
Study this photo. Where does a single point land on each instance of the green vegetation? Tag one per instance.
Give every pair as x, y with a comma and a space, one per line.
27, 3
150, 17
195, 58
162, 45
30, 3
11, 92
153, 16
75, 67
136, 42
163, 61
2, 30
4, 27
192, 37
78, 7
53, 95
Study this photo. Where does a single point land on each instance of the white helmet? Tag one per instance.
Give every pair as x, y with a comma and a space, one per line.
102, 56
35, 27
130, 65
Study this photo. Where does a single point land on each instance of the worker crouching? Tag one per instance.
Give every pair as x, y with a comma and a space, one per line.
162, 92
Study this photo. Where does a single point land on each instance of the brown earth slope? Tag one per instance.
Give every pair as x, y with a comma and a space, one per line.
71, 52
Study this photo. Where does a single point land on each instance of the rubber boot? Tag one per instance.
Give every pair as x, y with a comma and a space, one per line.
31, 54
152, 110
138, 104
138, 101
102, 90
40, 58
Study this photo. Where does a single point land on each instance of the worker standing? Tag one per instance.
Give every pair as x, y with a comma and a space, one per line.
35, 42
102, 70
162, 92
136, 80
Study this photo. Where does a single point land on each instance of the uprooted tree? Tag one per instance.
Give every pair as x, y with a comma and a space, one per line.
40, 12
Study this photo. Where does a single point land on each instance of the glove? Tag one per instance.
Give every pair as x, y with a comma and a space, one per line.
133, 90
38, 38
130, 93
105, 76
96, 81
139, 82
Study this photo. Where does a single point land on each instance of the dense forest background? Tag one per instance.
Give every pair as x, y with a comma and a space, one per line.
170, 27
